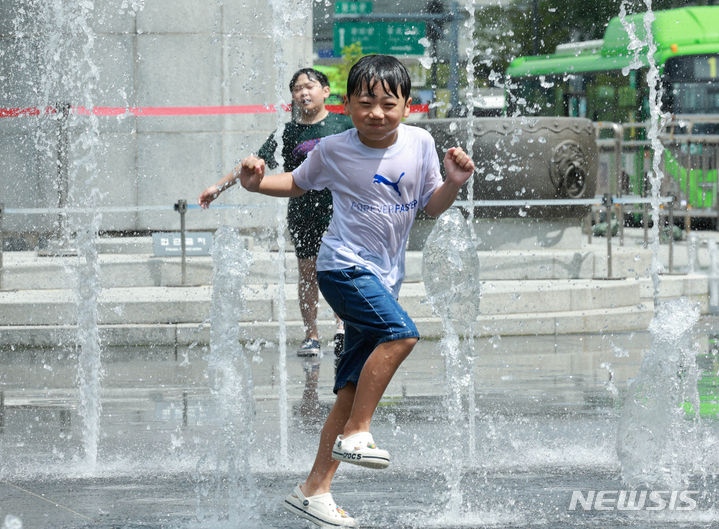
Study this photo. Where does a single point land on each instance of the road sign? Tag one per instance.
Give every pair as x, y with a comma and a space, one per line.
396, 38
353, 8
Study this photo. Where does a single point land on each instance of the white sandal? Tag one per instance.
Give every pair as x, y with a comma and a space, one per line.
320, 509
359, 449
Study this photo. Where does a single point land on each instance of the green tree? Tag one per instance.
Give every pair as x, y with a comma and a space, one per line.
350, 55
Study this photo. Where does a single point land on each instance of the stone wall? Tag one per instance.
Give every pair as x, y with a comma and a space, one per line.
129, 53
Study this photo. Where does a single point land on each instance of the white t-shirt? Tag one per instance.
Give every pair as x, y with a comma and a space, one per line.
375, 196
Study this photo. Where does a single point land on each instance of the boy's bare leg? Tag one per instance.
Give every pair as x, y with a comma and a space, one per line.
353, 409
307, 291
374, 379
324, 468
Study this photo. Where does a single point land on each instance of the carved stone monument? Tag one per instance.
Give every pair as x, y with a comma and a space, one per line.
523, 158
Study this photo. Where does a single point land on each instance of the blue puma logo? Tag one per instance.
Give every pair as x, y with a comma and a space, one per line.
379, 179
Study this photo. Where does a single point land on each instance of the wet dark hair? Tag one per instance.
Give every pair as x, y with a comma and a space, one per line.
312, 75
373, 69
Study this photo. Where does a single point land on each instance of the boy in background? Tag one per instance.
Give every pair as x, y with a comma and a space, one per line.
308, 215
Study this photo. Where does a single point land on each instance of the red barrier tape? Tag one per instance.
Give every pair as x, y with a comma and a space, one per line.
30, 111
413, 109
173, 111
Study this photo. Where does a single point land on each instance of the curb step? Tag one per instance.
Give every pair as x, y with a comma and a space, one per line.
193, 334
178, 315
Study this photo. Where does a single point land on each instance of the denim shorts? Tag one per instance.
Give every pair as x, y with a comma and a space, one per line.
371, 315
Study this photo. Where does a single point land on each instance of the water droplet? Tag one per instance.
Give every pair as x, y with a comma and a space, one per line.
12, 522
426, 62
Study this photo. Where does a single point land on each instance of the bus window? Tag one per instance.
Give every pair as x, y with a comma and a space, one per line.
627, 97
610, 97
599, 96
575, 106
533, 96
602, 99
691, 84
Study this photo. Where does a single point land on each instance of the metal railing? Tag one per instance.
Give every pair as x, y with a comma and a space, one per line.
616, 145
181, 207
607, 202
713, 278
694, 156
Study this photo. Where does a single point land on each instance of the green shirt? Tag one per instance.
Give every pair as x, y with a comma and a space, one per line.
298, 139
308, 215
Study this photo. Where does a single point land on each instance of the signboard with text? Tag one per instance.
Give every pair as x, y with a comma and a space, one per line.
166, 244
353, 8
394, 38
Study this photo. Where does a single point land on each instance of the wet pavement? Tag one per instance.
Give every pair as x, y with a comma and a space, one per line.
544, 427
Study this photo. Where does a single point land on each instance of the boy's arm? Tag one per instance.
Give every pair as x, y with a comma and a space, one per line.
252, 177
212, 192
459, 167
274, 185
266, 152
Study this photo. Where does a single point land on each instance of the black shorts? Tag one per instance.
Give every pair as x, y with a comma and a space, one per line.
307, 219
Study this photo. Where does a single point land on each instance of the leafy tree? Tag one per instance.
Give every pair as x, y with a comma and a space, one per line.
350, 55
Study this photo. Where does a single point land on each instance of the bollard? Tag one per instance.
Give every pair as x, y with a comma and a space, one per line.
715, 201
65, 419
181, 207
671, 237
618, 138
588, 226
63, 179
692, 253
713, 277
608, 205
687, 217
2, 210
2, 410
716, 191
645, 224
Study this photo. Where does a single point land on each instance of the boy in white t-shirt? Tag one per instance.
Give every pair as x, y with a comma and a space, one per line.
380, 174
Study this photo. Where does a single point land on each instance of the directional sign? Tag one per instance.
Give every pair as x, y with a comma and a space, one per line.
395, 38
353, 8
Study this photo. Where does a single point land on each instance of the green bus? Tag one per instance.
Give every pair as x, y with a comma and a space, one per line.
585, 79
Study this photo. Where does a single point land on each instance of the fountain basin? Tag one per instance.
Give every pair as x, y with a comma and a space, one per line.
546, 425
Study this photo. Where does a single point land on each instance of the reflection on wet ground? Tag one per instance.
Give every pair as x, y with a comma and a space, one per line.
545, 426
